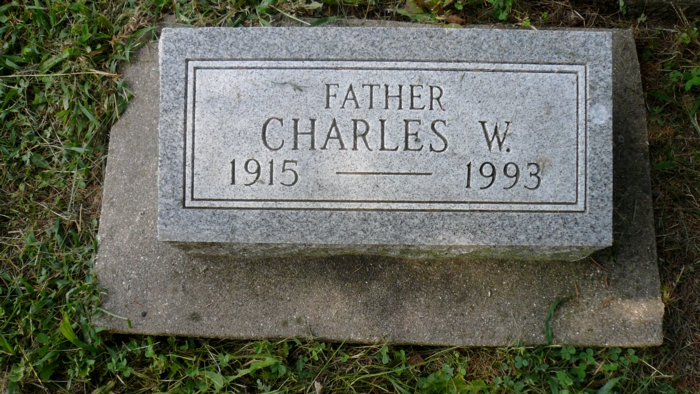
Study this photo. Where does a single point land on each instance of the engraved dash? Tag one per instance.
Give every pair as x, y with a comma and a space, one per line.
382, 173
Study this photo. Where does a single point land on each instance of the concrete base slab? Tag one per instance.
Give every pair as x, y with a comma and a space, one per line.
163, 291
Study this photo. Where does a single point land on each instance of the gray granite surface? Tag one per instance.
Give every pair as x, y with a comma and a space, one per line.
393, 141
165, 291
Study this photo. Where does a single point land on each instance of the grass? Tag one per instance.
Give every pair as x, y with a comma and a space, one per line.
60, 92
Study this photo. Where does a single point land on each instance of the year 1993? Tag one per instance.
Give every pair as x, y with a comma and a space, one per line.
510, 170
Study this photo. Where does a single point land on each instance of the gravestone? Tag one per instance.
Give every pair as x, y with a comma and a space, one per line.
393, 141
165, 290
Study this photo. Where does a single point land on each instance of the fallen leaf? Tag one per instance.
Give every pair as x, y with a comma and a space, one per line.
414, 7
417, 359
454, 19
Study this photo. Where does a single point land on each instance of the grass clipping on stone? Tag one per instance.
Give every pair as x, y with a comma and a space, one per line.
60, 93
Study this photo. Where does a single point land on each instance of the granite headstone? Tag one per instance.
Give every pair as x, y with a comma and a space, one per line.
392, 141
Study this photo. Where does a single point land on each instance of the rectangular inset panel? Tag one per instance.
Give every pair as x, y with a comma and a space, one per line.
368, 135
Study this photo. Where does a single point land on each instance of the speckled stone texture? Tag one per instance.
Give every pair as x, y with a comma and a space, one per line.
165, 291
424, 143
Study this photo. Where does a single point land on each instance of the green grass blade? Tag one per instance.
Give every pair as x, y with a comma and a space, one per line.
547, 329
608, 386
